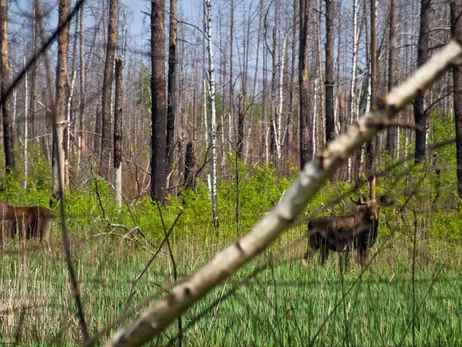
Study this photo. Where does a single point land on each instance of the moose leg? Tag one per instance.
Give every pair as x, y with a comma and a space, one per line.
362, 256
324, 253
312, 247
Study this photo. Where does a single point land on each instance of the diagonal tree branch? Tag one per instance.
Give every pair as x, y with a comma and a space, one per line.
310, 180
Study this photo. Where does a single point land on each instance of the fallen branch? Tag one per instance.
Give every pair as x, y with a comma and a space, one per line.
154, 320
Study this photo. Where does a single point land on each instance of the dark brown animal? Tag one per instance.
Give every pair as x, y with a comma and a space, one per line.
27, 222
344, 233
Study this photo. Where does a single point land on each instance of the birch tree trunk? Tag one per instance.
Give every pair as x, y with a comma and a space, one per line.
213, 173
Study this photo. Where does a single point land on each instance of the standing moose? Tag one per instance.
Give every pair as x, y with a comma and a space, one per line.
344, 233
27, 222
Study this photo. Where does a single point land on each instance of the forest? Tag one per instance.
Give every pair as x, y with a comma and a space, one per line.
233, 172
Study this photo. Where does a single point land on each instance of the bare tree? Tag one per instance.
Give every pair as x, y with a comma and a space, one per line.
8, 136
159, 109
329, 79
81, 142
420, 113
456, 31
61, 101
354, 65
118, 119
392, 132
171, 106
371, 145
211, 79
306, 143
108, 79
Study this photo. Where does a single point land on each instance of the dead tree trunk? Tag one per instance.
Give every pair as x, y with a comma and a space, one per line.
306, 148
190, 167
118, 119
456, 31
420, 114
392, 132
61, 102
159, 110
171, 85
106, 138
82, 143
329, 81
8, 135
371, 145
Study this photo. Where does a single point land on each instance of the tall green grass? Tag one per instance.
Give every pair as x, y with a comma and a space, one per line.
286, 304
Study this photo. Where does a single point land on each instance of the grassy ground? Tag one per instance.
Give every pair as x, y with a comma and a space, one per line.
285, 305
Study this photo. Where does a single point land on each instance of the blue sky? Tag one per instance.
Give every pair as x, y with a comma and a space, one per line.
187, 10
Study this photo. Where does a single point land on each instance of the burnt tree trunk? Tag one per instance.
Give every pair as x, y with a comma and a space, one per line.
118, 113
8, 135
159, 109
420, 114
329, 81
111, 46
190, 166
171, 85
392, 132
456, 31
306, 148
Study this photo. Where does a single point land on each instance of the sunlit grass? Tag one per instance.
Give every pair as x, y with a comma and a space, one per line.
284, 305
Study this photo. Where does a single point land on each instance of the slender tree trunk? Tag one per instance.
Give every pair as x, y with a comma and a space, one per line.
82, 143
392, 132
306, 149
98, 125
8, 134
171, 101
108, 79
230, 138
190, 167
33, 76
420, 113
61, 102
371, 145
118, 119
456, 31
69, 135
322, 116
265, 123
293, 71
159, 109
26, 126
329, 81
208, 15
